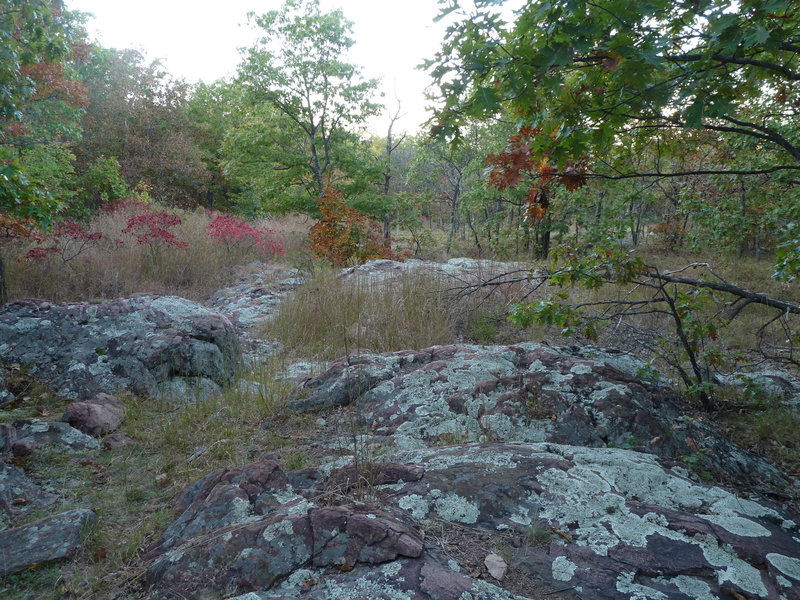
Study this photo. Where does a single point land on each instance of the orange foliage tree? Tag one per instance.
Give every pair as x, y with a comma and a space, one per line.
344, 236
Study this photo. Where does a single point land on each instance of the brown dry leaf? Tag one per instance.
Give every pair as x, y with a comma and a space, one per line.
100, 555
693, 446
18, 501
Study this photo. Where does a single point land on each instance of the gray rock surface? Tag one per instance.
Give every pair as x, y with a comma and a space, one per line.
141, 343
43, 541
526, 393
37, 433
19, 495
6, 397
97, 416
465, 270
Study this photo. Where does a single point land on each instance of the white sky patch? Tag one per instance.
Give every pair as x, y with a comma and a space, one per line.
200, 41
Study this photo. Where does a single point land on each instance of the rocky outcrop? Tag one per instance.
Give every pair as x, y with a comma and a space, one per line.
619, 524
251, 301
526, 393
246, 529
97, 416
43, 541
144, 344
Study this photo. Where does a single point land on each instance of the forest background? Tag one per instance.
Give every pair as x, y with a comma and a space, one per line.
574, 131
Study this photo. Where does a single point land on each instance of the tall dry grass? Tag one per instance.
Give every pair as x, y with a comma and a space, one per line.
118, 265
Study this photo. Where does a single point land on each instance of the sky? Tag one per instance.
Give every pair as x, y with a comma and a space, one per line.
199, 41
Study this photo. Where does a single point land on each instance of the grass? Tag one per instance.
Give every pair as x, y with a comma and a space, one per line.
118, 265
330, 317
131, 489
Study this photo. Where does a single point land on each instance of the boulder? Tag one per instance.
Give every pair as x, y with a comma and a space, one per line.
43, 541
141, 343
526, 393
97, 416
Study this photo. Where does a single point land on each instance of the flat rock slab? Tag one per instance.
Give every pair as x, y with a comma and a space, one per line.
526, 393
464, 270
621, 525
43, 541
628, 526
143, 343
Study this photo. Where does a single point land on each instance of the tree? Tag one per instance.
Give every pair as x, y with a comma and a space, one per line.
36, 38
309, 103
591, 85
581, 73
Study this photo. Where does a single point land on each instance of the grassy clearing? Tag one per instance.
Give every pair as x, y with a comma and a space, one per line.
331, 317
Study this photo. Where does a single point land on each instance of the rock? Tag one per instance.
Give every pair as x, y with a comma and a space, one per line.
496, 566
19, 495
141, 343
245, 529
419, 579
8, 435
526, 393
250, 302
629, 526
625, 525
98, 416
36, 433
6, 397
464, 270
117, 441
43, 541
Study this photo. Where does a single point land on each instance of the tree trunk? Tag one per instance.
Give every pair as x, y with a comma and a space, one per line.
3, 283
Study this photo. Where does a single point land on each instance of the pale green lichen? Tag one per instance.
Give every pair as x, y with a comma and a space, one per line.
275, 530
417, 505
452, 507
785, 564
563, 569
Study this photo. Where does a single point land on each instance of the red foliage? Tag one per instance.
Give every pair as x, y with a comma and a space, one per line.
50, 82
231, 231
68, 240
154, 226
343, 235
518, 160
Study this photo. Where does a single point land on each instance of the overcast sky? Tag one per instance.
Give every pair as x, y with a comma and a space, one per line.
199, 40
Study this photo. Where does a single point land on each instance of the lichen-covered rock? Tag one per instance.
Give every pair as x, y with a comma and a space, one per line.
39, 433
43, 541
464, 270
420, 579
97, 416
254, 298
628, 527
245, 529
141, 343
525, 393
19, 495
